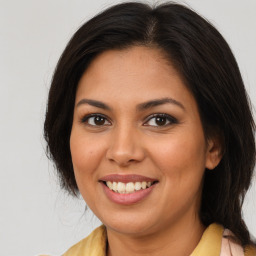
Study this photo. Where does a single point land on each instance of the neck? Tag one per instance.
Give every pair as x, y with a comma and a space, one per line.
177, 239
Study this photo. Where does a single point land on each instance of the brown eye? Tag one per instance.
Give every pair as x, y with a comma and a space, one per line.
96, 120
159, 120
99, 120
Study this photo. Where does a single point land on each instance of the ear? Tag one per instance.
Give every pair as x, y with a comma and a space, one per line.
214, 152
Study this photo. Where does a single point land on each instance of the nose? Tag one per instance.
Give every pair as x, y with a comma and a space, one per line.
126, 147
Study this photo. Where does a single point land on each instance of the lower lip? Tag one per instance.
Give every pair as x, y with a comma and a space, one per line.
127, 199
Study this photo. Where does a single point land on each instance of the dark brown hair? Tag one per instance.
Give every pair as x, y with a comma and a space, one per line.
205, 62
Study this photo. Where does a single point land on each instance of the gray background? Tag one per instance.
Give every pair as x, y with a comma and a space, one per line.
35, 216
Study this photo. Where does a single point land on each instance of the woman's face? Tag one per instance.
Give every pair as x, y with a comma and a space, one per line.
137, 143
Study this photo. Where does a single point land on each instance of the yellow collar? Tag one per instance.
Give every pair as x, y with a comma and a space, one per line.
95, 243
210, 243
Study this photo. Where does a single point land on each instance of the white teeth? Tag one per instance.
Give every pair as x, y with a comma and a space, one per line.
138, 185
129, 187
114, 186
120, 187
109, 184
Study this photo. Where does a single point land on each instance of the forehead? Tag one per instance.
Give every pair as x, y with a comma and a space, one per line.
138, 73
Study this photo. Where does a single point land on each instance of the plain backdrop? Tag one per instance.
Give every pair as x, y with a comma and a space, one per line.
35, 215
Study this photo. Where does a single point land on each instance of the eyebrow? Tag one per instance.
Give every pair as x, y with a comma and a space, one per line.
94, 103
140, 107
157, 102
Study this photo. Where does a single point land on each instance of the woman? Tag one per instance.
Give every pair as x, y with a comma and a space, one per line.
149, 120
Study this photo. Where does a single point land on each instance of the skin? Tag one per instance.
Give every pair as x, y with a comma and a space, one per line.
131, 142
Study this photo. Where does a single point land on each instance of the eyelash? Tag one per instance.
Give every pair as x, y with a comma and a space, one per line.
87, 117
170, 119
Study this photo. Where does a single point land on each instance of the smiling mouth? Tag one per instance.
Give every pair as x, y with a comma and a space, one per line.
127, 184
128, 188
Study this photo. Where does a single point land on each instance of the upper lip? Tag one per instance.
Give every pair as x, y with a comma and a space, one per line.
126, 178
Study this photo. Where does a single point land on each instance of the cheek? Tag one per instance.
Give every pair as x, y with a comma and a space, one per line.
182, 163
85, 154
180, 158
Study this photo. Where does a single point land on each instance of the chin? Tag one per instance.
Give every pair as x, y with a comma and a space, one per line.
129, 229
130, 224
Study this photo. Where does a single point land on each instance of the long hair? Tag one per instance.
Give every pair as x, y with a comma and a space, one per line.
206, 64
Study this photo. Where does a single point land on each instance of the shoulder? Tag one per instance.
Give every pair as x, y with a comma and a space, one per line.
222, 242
94, 244
231, 246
